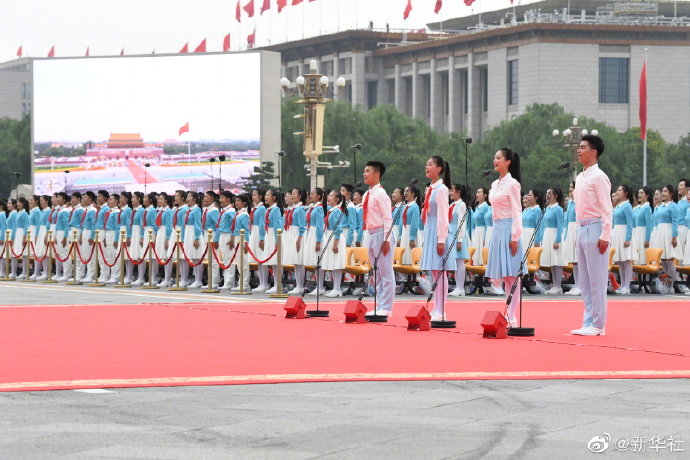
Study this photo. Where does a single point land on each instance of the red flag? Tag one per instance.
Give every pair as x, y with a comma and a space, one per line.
470, 2
643, 101
51, 53
226, 43
281, 4
296, 2
251, 39
439, 4
122, 52
249, 8
184, 129
20, 51
201, 48
238, 12
185, 48
88, 51
266, 6
408, 8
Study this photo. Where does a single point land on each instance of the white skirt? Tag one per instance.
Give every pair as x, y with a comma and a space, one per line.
310, 256
171, 243
686, 256
135, 250
331, 260
254, 244
661, 238
291, 256
568, 245
682, 235
551, 257
477, 242
159, 244
269, 247
622, 253
405, 243
526, 236
61, 251
192, 253
39, 242
18, 243
639, 252
487, 236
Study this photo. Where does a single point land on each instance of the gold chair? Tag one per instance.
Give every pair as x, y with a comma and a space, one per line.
358, 265
411, 271
646, 272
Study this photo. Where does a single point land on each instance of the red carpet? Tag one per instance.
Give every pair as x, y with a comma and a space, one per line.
63, 347
140, 175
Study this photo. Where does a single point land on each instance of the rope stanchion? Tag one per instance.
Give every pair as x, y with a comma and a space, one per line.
27, 267
74, 249
257, 260
121, 255
50, 251
278, 274
96, 274
150, 250
241, 267
177, 286
209, 287
6, 253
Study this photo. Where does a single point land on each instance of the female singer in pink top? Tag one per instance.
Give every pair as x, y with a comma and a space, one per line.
505, 247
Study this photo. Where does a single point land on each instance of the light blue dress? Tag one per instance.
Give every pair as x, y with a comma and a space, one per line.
430, 258
458, 217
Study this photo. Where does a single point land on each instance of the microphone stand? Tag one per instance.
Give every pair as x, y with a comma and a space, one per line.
376, 318
529, 331
322, 313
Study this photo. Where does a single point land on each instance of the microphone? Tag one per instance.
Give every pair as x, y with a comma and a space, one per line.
356, 146
486, 172
468, 140
564, 165
414, 181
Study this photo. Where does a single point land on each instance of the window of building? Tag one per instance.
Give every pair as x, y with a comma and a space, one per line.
25, 90
369, 65
614, 80
327, 68
345, 66
512, 82
484, 75
465, 92
391, 91
372, 94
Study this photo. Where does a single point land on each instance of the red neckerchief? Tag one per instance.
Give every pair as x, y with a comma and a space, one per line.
222, 211
186, 216
131, 219
175, 216
105, 219
365, 210
450, 212
50, 217
159, 218
83, 217
404, 217
325, 225
311, 208
426, 203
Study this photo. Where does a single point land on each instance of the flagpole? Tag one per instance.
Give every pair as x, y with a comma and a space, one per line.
644, 143
189, 160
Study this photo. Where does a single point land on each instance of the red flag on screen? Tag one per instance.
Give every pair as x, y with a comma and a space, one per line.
238, 12
470, 2
251, 39
249, 8
408, 8
643, 101
439, 5
122, 52
281, 4
51, 53
185, 48
20, 51
88, 51
184, 129
226, 43
266, 6
201, 48
296, 2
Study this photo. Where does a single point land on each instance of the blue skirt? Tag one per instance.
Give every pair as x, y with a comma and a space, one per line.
430, 258
501, 262
465, 252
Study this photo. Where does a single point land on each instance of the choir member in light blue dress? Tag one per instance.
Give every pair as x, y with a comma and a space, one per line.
642, 231
135, 240
552, 255
296, 225
334, 259
60, 235
621, 237
241, 221
408, 238
397, 198
191, 240
150, 229
686, 252
112, 241
102, 198
666, 232
125, 221
223, 235
533, 202
3, 232
86, 247
683, 206
257, 221
457, 213
209, 222
41, 268
360, 235
313, 243
479, 225
19, 229
346, 190
34, 226
274, 221
436, 235
164, 231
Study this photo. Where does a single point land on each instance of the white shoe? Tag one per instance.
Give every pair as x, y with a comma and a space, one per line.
195, 285
42, 278
111, 281
457, 293
272, 290
574, 291
62, 279
379, 312
235, 289
623, 291
334, 293
21, 277
512, 322
164, 283
590, 331
184, 284
683, 289
687, 293
296, 291
205, 286
321, 291
138, 282
223, 288
87, 280
55, 277
555, 290
437, 316
33, 277
260, 288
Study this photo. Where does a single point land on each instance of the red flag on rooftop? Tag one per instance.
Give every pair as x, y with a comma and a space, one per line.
51, 53
408, 8
88, 51
249, 8
238, 12
20, 51
470, 2
296, 2
185, 48
201, 48
281, 4
266, 6
226, 43
251, 39
439, 5
643, 101
122, 52
184, 129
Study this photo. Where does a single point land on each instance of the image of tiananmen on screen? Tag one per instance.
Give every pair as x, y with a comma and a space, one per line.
114, 123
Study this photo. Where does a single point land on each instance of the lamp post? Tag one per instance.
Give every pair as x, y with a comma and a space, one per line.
212, 160
314, 89
146, 172
279, 157
66, 172
17, 175
221, 159
571, 139
354, 159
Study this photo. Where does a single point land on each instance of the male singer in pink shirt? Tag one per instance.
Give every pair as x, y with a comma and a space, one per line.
377, 219
594, 213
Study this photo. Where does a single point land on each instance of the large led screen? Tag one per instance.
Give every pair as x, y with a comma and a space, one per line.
159, 123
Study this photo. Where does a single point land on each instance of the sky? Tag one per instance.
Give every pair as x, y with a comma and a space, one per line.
164, 26
82, 99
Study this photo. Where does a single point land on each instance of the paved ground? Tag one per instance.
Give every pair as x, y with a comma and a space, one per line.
447, 419
443, 419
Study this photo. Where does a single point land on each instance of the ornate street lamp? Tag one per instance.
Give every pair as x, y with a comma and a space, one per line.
571, 139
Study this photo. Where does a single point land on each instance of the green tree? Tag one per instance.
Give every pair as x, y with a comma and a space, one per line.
261, 177
15, 153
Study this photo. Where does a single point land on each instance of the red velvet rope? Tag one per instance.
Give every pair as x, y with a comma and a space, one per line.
158, 259
192, 264
220, 264
257, 260
143, 257
20, 252
105, 261
86, 262
55, 251
36, 258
